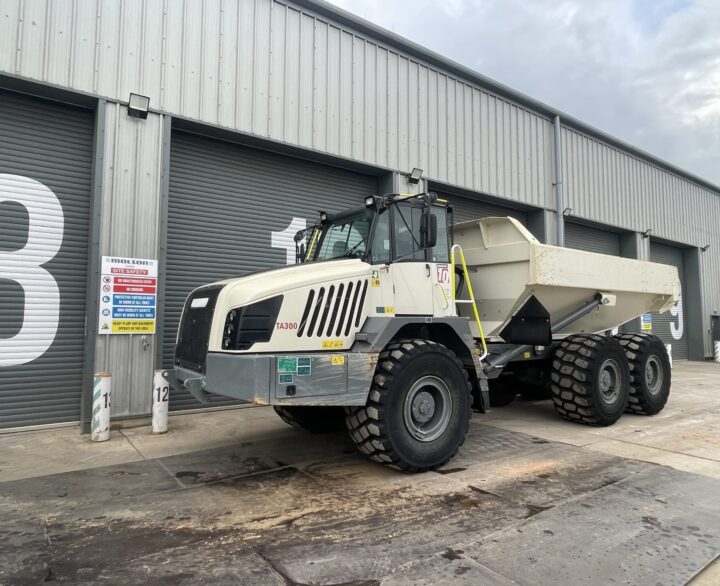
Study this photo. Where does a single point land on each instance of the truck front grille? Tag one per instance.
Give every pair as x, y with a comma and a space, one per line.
194, 335
333, 311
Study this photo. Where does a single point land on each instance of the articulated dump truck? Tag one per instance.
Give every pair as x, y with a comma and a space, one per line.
398, 324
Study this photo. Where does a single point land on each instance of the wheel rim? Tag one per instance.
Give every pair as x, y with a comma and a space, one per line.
609, 381
427, 410
653, 375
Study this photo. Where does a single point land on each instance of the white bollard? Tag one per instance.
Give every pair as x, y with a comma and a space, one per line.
717, 351
102, 398
161, 400
668, 347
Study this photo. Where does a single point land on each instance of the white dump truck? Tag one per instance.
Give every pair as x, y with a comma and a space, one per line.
397, 324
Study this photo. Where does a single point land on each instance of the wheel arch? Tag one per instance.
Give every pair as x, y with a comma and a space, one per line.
452, 332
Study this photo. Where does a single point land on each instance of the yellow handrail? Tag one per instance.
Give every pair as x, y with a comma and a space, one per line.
312, 244
470, 293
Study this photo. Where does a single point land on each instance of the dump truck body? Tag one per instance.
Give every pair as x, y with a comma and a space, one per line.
508, 265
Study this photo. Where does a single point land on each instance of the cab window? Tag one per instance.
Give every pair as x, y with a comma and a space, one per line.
406, 228
345, 237
441, 251
380, 249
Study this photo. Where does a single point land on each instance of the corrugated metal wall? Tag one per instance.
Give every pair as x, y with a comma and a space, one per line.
273, 70
129, 227
277, 71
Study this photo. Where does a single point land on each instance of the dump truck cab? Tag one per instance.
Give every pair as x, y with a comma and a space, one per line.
403, 239
377, 328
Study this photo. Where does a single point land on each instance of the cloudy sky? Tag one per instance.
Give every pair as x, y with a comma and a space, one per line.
646, 71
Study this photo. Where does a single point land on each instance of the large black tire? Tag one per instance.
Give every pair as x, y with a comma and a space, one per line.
650, 373
418, 411
590, 379
313, 419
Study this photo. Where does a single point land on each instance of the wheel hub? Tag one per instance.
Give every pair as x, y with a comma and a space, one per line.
610, 381
423, 407
653, 374
427, 409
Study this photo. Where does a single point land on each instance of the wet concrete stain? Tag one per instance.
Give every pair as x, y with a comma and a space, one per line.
452, 554
295, 525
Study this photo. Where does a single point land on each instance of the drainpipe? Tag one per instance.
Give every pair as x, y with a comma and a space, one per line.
559, 195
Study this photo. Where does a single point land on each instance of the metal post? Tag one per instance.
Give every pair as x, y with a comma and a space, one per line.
717, 351
559, 195
668, 347
93, 280
102, 399
160, 394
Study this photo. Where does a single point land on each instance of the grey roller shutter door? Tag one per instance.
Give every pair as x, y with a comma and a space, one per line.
51, 144
225, 201
591, 239
465, 209
667, 326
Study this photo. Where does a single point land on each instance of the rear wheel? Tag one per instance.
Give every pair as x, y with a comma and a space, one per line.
590, 379
649, 372
313, 419
418, 410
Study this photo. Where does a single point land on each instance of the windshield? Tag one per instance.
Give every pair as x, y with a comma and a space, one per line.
344, 236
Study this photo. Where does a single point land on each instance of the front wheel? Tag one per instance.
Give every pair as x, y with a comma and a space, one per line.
418, 410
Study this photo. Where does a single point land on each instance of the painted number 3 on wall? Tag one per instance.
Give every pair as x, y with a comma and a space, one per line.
41, 312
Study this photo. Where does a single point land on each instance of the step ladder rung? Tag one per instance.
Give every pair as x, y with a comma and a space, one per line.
471, 294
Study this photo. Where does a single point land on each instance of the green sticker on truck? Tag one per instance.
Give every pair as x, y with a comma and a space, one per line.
287, 364
300, 365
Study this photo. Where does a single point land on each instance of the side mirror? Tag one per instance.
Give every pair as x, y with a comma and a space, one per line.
428, 230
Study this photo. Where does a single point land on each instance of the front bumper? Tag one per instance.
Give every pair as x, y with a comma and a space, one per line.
329, 378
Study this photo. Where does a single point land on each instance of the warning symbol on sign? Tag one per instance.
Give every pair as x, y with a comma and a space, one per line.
107, 279
105, 327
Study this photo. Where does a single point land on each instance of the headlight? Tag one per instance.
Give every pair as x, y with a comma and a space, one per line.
253, 323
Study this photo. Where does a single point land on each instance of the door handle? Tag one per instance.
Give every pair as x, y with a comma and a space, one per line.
427, 270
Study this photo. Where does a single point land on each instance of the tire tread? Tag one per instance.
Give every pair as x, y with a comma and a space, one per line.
571, 378
636, 346
365, 424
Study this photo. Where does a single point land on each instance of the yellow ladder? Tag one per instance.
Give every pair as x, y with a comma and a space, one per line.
470, 293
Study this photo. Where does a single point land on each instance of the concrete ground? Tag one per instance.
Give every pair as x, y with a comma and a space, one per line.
238, 497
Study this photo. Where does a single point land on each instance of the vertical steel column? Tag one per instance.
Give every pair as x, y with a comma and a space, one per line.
93, 279
559, 195
162, 241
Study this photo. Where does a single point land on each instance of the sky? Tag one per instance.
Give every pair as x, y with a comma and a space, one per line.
645, 71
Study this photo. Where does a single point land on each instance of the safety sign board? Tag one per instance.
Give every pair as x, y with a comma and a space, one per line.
128, 295
646, 320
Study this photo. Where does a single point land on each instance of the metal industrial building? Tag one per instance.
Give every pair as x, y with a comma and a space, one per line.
261, 113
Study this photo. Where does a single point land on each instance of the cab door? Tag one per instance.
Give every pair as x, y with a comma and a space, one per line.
411, 270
